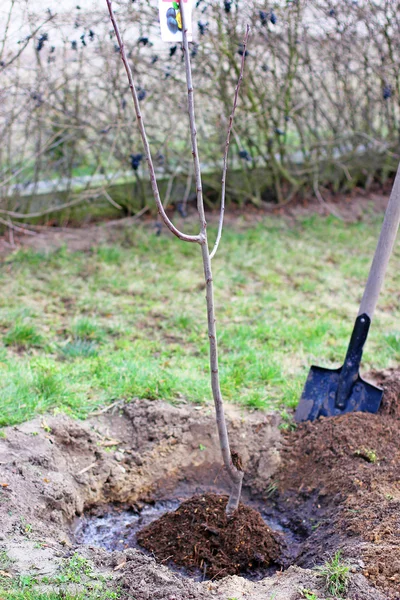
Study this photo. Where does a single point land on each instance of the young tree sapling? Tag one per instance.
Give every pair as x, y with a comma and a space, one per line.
231, 460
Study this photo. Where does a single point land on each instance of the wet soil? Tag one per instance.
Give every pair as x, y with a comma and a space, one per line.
116, 527
329, 485
198, 535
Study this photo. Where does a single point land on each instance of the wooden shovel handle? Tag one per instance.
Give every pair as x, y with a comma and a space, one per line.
383, 251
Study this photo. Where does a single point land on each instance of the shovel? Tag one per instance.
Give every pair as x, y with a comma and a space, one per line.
331, 392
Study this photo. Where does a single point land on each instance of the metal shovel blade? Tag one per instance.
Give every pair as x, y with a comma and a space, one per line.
319, 398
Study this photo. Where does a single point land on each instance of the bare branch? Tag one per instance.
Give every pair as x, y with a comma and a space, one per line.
228, 137
235, 474
13, 227
24, 45
187, 190
153, 179
322, 201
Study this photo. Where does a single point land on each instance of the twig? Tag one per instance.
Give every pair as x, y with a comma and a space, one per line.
228, 136
82, 471
120, 222
153, 179
34, 215
169, 187
187, 190
106, 408
322, 201
11, 226
111, 201
11, 233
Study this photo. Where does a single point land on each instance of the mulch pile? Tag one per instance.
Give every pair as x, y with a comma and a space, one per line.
198, 535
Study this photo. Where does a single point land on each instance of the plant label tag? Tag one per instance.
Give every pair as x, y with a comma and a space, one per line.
171, 19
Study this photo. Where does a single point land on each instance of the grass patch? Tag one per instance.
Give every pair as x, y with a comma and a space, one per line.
22, 335
79, 349
75, 570
336, 575
129, 320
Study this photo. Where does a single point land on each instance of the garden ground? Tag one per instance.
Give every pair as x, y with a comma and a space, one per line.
120, 324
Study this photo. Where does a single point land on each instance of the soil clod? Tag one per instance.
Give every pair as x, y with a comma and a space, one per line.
199, 535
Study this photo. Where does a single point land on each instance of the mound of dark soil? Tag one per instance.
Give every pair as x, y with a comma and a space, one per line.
198, 535
345, 472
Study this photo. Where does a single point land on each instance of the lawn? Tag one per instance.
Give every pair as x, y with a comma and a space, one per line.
81, 330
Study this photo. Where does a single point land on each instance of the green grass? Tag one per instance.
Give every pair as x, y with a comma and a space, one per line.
308, 594
336, 575
22, 335
81, 330
75, 571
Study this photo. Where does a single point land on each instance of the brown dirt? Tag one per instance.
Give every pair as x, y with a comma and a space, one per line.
333, 484
198, 535
345, 472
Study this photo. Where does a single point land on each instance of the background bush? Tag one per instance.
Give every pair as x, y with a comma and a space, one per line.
319, 105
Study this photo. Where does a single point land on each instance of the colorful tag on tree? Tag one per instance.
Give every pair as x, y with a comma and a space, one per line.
171, 19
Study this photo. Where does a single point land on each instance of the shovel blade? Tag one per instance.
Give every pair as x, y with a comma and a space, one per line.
319, 396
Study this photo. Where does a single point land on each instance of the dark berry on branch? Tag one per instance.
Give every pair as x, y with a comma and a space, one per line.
202, 27
387, 92
263, 17
172, 50
135, 161
141, 94
227, 6
332, 12
143, 40
74, 45
116, 48
273, 18
279, 131
43, 38
245, 155
242, 51
91, 34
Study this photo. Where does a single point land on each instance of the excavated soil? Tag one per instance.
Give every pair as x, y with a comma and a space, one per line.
329, 485
198, 535
348, 470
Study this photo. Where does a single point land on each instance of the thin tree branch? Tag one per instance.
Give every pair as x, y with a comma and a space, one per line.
13, 227
235, 474
24, 45
228, 137
153, 179
42, 213
322, 201
187, 190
